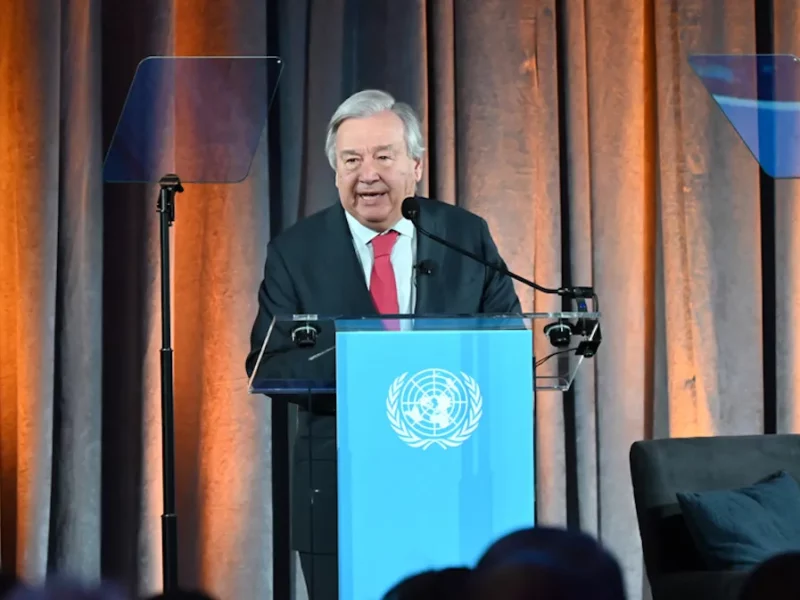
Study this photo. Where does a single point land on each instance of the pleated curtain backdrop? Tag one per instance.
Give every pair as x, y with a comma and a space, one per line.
575, 128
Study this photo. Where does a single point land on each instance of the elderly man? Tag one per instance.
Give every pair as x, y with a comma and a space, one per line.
359, 258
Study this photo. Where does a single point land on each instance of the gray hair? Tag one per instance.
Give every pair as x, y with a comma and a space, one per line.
371, 102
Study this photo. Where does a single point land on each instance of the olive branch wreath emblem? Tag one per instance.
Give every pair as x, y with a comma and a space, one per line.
457, 438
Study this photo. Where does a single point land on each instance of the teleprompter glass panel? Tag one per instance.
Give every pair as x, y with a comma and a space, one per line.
200, 118
759, 94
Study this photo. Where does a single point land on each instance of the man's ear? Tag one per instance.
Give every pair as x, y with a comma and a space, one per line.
418, 170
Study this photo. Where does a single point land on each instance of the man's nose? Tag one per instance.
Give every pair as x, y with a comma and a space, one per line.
368, 173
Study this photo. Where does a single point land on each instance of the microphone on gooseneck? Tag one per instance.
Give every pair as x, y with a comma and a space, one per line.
560, 332
410, 210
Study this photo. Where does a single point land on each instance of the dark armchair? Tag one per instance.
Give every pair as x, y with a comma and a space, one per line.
661, 468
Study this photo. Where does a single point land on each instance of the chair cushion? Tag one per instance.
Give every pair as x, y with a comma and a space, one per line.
740, 528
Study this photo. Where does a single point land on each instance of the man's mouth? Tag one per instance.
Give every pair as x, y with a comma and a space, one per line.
369, 197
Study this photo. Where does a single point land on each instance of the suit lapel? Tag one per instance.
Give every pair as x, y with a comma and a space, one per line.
431, 288
343, 271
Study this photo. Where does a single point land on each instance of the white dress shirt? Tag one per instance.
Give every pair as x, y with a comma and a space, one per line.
403, 258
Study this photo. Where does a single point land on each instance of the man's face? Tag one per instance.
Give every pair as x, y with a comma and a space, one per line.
374, 172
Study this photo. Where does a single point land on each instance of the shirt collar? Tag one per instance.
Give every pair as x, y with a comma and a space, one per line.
363, 235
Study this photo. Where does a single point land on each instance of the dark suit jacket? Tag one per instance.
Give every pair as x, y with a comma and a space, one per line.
312, 268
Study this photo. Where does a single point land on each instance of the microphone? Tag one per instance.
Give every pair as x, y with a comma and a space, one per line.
425, 267
560, 332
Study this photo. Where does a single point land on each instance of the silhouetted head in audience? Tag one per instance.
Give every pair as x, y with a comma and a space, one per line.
447, 584
520, 582
182, 595
570, 565
775, 579
68, 590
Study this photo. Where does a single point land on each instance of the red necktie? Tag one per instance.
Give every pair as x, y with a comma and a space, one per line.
382, 284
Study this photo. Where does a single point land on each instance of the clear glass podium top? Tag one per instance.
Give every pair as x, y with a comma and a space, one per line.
298, 355
760, 96
199, 117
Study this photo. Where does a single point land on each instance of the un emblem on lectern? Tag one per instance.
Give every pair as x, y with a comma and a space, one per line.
434, 407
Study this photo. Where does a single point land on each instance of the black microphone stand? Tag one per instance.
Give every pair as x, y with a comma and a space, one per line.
411, 212
170, 185
587, 348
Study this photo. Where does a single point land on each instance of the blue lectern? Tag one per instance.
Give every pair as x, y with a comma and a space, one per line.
434, 429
